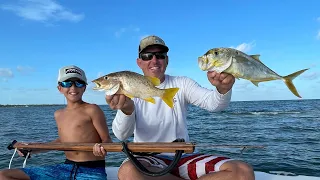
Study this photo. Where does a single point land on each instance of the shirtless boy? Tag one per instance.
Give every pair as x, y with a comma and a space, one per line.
78, 122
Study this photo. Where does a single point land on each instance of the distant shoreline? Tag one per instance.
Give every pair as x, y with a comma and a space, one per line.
26, 105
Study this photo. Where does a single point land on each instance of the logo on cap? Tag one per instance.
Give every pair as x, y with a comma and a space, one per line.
73, 70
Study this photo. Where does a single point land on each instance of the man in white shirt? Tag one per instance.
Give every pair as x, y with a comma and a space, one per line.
160, 123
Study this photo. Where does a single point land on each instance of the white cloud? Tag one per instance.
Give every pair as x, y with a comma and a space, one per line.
120, 32
25, 69
311, 76
5, 73
42, 10
130, 29
100, 74
245, 47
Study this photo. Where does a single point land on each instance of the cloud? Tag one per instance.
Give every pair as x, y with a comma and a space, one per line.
130, 29
311, 76
42, 11
5, 73
245, 47
100, 74
25, 69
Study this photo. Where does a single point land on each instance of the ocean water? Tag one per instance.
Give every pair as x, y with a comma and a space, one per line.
289, 130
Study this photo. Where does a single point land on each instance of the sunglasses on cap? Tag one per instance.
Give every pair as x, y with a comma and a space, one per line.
149, 55
67, 84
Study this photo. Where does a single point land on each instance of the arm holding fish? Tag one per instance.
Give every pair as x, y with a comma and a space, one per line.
211, 100
222, 81
122, 102
124, 121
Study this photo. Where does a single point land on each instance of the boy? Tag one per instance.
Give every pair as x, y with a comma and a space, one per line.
78, 122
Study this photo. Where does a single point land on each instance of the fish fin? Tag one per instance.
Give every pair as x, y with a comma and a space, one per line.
150, 99
128, 95
113, 90
256, 57
288, 80
155, 81
256, 83
168, 95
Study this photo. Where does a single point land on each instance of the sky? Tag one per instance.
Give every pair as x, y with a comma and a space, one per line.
37, 37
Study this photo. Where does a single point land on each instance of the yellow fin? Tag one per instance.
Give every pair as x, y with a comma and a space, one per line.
288, 80
256, 57
155, 81
150, 99
128, 95
256, 83
168, 95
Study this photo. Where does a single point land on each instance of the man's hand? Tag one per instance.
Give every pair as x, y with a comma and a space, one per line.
222, 81
122, 102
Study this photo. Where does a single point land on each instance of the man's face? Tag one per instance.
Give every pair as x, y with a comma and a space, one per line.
153, 61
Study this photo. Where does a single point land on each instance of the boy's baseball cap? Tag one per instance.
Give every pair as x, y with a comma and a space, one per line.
71, 71
152, 40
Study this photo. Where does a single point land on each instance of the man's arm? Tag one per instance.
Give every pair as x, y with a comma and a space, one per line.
210, 100
123, 125
124, 122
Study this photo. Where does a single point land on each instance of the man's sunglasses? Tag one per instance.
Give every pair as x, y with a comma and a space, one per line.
149, 55
67, 84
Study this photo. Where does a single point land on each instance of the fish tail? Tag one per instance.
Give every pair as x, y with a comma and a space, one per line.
168, 95
288, 80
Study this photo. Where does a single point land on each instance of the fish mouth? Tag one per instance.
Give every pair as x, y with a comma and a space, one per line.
98, 85
201, 63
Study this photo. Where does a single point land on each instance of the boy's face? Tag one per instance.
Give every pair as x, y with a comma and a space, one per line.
72, 89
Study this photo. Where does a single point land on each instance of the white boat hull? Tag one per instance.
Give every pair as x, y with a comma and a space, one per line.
112, 175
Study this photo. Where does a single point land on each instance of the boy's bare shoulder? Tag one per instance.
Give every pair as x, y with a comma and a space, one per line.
58, 112
93, 108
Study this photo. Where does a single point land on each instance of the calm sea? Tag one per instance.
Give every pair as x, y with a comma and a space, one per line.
290, 130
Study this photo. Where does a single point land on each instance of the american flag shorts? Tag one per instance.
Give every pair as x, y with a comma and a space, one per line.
191, 166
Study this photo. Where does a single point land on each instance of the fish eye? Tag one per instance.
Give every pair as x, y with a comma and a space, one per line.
105, 77
216, 53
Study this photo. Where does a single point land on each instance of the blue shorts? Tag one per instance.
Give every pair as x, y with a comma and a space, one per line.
68, 170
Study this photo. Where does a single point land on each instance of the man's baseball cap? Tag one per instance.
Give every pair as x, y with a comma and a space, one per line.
71, 71
150, 41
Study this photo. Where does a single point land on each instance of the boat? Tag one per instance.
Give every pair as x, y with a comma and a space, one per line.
273, 175
129, 147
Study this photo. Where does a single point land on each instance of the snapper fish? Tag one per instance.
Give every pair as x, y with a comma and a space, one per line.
244, 66
132, 85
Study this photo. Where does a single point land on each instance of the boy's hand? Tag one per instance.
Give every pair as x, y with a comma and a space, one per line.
24, 153
98, 150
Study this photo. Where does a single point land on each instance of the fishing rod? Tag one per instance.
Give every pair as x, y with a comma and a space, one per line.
178, 147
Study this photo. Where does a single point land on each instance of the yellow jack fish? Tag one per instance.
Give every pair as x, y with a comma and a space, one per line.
244, 66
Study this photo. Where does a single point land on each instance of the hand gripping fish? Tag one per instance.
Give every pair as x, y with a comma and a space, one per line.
132, 85
244, 66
